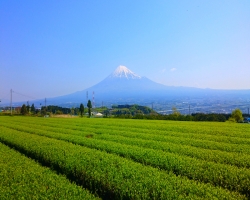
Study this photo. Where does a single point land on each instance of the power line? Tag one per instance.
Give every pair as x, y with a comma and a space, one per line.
24, 95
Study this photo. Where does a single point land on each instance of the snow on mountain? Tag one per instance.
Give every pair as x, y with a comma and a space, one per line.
124, 72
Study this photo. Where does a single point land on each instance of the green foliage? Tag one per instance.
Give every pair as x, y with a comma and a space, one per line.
210, 117
44, 110
138, 159
153, 155
72, 111
143, 112
231, 119
131, 111
54, 109
23, 178
28, 109
81, 109
106, 112
24, 110
106, 177
32, 109
176, 113
237, 115
59, 112
89, 105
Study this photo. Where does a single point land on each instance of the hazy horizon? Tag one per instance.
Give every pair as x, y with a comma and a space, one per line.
50, 49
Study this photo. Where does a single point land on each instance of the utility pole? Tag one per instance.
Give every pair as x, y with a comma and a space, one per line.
248, 112
45, 106
11, 101
189, 109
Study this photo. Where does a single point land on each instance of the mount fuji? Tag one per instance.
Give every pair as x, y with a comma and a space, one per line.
124, 86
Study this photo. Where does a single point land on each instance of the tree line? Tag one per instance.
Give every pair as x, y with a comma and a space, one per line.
134, 112
235, 116
46, 110
122, 110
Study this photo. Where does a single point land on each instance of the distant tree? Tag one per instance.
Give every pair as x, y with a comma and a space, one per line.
32, 109
106, 112
72, 111
89, 105
77, 111
81, 109
231, 119
54, 109
237, 115
28, 108
175, 112
59, 112
24, 109
43, 110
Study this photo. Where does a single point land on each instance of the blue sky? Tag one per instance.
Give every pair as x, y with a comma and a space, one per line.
52, 48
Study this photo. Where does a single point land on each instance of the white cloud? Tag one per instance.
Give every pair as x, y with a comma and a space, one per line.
173, 69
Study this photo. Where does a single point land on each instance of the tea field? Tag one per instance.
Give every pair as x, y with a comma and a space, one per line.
90, 158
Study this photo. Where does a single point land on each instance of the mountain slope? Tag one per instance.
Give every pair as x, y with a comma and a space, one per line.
123, 86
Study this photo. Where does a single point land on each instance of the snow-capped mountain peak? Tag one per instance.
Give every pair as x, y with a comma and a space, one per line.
124, 72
